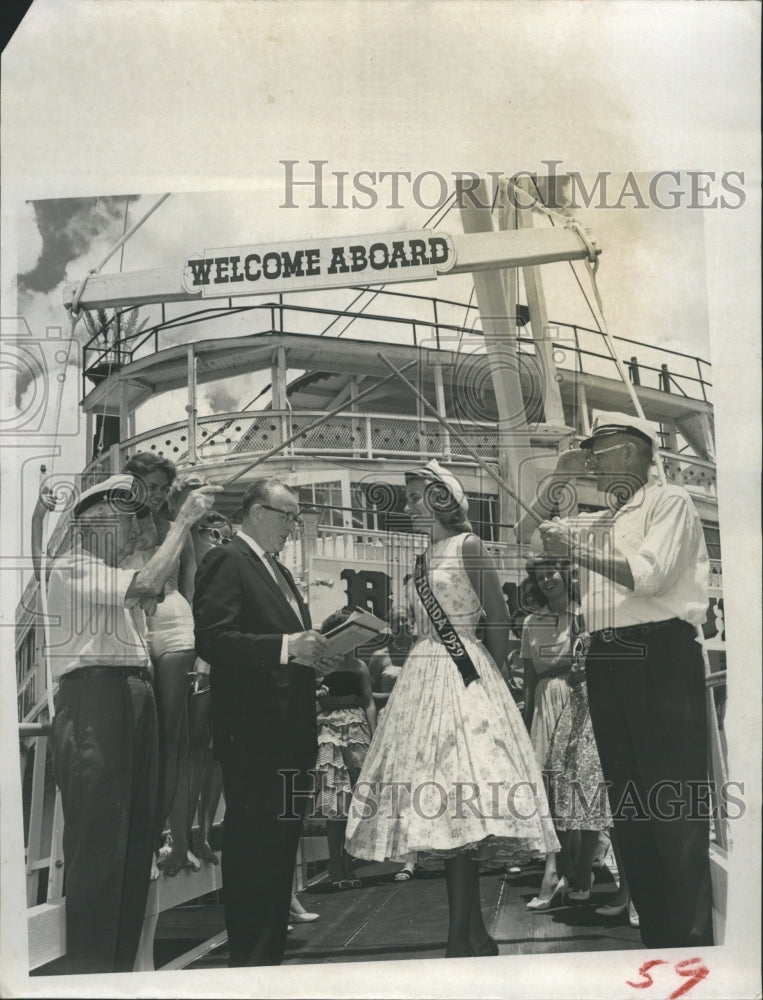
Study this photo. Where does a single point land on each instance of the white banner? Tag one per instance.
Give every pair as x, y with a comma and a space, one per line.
324, 263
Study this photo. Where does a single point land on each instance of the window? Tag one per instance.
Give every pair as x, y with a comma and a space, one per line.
327, 497
483, 513
712, 539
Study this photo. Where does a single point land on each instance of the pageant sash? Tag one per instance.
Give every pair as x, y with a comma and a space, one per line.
443, 627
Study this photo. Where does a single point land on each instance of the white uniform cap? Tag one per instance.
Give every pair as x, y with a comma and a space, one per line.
608, 422
119, 490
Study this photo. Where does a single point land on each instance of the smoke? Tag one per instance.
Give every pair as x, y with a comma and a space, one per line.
69, 227
220, 399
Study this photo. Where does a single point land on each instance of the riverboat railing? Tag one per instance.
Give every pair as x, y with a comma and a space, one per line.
241, 435
433, 322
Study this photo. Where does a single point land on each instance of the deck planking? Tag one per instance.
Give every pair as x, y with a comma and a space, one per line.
387, 920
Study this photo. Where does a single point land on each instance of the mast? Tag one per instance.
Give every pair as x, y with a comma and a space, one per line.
496, 293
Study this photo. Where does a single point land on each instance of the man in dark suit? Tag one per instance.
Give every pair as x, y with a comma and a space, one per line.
254, 629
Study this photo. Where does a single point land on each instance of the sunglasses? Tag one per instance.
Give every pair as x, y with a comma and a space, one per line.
214, 535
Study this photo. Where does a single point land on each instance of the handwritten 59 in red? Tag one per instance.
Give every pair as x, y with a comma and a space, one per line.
691, 969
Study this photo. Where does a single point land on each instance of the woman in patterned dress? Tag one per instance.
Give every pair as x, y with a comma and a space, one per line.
451, 773
346, 723
553, 649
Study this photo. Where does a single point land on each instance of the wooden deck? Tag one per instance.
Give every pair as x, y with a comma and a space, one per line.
387, 920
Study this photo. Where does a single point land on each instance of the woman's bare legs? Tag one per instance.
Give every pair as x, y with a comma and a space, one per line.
589, 841
550, 877
172, 687
622, 895
199, 758
211, 790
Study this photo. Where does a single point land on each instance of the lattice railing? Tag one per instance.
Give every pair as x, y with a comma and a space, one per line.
359, 435
694, 474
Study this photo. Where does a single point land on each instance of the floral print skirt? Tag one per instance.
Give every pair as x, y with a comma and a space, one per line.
578, 793
450, 769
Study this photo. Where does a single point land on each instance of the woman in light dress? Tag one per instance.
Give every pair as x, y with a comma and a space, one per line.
451, 773
546, 655
171, 645
546, 651
554, 643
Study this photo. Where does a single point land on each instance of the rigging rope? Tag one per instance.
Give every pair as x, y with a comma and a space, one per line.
432, 221
592, 266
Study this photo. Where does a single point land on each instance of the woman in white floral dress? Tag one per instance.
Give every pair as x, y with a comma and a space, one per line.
451, 772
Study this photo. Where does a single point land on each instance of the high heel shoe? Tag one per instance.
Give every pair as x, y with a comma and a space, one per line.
581, 895
490, 947
560, 889
633, 917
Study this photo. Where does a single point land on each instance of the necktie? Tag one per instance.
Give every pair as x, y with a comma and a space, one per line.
286, 590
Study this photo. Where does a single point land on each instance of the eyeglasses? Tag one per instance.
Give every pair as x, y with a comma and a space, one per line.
293, 520
591, 454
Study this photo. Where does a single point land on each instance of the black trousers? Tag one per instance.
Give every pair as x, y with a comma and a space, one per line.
105, 758
263, 823
647, 702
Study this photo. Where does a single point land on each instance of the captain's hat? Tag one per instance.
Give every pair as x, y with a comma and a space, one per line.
608, 422
118, 490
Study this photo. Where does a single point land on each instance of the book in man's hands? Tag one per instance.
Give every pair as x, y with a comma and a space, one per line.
360, 627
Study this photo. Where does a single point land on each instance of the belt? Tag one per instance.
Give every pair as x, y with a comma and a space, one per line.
121, 672
636, 631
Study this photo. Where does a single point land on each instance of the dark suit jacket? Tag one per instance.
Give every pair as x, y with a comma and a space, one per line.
240, 617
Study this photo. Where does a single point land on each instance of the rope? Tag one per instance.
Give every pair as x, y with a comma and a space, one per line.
380, 288
592, 266
110, 254
610, 342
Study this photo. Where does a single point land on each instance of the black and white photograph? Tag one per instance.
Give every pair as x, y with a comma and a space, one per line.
380, 522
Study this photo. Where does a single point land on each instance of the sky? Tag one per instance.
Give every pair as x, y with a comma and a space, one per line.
651, 274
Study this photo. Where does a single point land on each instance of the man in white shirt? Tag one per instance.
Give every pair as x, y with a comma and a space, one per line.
104, 737
254, 629
644, 576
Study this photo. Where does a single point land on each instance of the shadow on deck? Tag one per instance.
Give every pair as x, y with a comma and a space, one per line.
386, 920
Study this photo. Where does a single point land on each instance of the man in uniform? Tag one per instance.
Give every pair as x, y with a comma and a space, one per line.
644, 577
104, 737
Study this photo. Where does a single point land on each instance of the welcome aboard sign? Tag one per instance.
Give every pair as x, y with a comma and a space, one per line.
324, 263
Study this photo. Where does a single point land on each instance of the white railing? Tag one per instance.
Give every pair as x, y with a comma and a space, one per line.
694, 474
359, 435
356, 435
